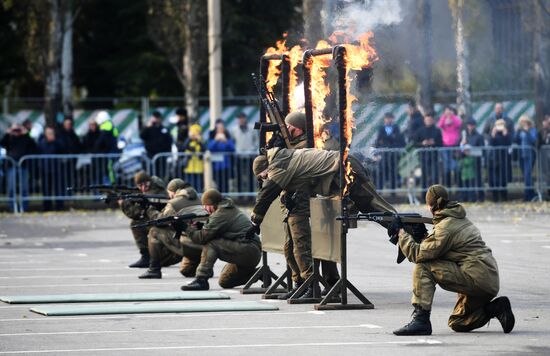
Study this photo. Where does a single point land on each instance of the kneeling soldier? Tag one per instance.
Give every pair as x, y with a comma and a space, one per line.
148, 185
224, 237
163, 244
454, 257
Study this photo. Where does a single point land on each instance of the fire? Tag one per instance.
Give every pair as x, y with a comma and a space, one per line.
320, 90
358, 56
295, 57
274, 69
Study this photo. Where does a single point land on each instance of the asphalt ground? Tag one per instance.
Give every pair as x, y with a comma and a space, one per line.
87, 252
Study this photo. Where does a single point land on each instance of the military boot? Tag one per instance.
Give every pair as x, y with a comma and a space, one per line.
291, 292
143, 261
153, 272
198, 284
419, 325
308, 293
501, 309
328, 288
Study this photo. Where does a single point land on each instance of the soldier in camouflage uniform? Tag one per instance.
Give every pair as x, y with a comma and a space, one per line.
454, 257
163, 244
297, 248
136, 212
224, 237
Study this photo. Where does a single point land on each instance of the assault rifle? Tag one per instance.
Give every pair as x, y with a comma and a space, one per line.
158, 201
178, 222
112, 189
413, 223
274, 113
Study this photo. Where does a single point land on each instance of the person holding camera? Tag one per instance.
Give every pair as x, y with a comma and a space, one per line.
499, 160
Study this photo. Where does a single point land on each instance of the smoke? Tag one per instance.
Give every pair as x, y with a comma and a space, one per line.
355, 18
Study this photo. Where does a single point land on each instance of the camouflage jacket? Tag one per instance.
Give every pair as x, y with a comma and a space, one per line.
227, 222
309, 169
134, 210
454, 238
184, 198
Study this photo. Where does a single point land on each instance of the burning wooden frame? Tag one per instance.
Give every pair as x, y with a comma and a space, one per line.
264, 273
339, 57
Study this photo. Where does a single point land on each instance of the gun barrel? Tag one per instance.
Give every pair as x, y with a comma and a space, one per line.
410, 218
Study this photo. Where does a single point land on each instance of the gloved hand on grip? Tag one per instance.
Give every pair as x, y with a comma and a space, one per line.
418, 232
393, 230
253, 230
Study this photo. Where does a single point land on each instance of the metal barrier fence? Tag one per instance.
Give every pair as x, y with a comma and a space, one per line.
8, 183
46, 177
232, 172
473, 175
544, 170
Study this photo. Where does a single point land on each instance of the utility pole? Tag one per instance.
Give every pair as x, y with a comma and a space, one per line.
214, 60
214, 77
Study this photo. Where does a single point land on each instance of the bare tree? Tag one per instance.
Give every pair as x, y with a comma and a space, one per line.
178, 28
463, 94
424, 72
67, 59
52, 92
313, 22
541, 58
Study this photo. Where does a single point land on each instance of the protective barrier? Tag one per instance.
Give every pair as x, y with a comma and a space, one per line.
8, 183
474, 174
544, 171
46, 177
470, 173
232, 172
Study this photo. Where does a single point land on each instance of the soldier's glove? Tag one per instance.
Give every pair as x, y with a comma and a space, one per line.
393, 230
418, 232
198, 225
253, 231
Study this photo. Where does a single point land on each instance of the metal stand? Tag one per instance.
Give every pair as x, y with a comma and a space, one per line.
273, 292
312, 281
343, 285
264, 274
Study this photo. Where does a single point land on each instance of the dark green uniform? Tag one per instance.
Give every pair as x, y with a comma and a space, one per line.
224, 237
137, 213
289, 168
297, 248
454, 257
163, 246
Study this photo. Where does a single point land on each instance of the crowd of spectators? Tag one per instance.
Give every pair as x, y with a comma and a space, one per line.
447, 149
450, 151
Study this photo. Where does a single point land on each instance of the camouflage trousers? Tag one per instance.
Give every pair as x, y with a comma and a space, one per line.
297, 250
166, 249
469, 312
242, 257
139, 233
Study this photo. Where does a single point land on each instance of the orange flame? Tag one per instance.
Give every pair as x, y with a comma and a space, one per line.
295, 57
358, 56
320, 89
274, 69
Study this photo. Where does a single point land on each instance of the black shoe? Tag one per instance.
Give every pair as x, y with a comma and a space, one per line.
197, 284
327, 289
501, 309
151, 273
292, 291
419, 325
307, 294
143, 261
